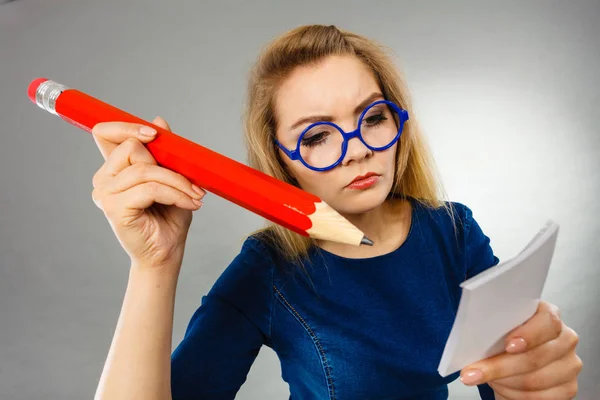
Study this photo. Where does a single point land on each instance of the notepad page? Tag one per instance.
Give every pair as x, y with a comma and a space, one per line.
498, 301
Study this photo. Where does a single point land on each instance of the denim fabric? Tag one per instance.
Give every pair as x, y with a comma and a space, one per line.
345, 329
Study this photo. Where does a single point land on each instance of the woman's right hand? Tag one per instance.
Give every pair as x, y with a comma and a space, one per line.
148, 207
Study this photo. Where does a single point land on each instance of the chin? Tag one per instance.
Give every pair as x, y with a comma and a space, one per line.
360, 201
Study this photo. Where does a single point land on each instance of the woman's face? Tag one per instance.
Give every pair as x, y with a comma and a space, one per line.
339, 87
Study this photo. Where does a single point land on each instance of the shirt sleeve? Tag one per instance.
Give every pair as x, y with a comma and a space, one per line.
479, 253
486, 392
480, 257
227, 331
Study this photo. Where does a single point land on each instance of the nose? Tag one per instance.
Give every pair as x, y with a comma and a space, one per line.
356, 151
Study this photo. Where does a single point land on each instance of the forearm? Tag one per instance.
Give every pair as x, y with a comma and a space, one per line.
138, 363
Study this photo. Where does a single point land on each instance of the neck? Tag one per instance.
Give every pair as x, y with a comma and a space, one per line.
375, 223
384, 225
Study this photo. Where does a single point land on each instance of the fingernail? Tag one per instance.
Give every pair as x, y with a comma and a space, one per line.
516, 345
471, 377
198, 202
198, 190
147, 131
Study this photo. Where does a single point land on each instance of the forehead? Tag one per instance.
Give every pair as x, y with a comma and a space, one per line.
334, 86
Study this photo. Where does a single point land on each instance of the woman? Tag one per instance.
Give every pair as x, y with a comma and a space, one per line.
346, 322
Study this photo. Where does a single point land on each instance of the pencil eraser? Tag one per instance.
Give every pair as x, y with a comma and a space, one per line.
33, 86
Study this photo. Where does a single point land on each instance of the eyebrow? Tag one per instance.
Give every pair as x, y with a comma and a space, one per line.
328, 118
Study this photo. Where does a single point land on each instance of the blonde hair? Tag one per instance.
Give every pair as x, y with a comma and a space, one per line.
416, 174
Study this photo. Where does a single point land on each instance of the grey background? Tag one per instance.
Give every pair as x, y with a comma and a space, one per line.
507, 94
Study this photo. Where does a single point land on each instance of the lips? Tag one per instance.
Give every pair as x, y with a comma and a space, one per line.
364, 182
361, 177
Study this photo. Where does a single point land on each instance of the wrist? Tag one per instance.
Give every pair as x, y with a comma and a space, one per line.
163, 272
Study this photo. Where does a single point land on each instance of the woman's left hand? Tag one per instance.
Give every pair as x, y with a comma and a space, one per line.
539, 363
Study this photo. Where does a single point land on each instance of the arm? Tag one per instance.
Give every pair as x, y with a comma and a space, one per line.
227, 331
479, 257
213, 359
221, 342
138, 362
479, 253
543, 363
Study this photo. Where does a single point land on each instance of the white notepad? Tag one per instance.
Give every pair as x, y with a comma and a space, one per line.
496, 301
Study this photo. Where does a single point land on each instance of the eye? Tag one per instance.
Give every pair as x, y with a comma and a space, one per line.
375, 119
314, 139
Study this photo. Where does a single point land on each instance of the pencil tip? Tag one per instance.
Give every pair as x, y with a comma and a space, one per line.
367, 241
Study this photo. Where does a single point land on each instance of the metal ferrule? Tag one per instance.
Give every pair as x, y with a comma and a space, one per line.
47, 93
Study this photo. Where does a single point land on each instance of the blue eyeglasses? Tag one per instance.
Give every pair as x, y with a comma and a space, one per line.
323, 145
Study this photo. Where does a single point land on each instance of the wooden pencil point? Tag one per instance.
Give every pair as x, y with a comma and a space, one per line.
328, 224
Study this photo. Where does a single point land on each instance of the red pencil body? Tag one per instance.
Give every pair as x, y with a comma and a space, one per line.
262, 194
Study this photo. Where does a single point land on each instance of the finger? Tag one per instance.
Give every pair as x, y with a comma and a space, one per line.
554, 374
160, 122
108, 135
545, 325
565, 391
506, 365
143, 196
130, 152
139, 173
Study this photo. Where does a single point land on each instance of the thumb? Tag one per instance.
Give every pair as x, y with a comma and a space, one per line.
159, 121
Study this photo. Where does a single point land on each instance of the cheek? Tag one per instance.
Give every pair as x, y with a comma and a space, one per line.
318, 183
387, 163
391, 155
306, 177
290, 167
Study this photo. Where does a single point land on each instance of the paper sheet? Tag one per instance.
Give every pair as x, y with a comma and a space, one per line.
496, 301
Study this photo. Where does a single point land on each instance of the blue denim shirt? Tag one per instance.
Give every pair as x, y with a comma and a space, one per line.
344, 329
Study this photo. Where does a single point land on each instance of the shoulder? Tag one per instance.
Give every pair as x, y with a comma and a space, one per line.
458, 234
249, 274
251, 261
449, 214
246, 283
474, 243
465, 224
449, 218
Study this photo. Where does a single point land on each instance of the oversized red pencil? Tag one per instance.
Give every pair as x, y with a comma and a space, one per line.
260, 193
